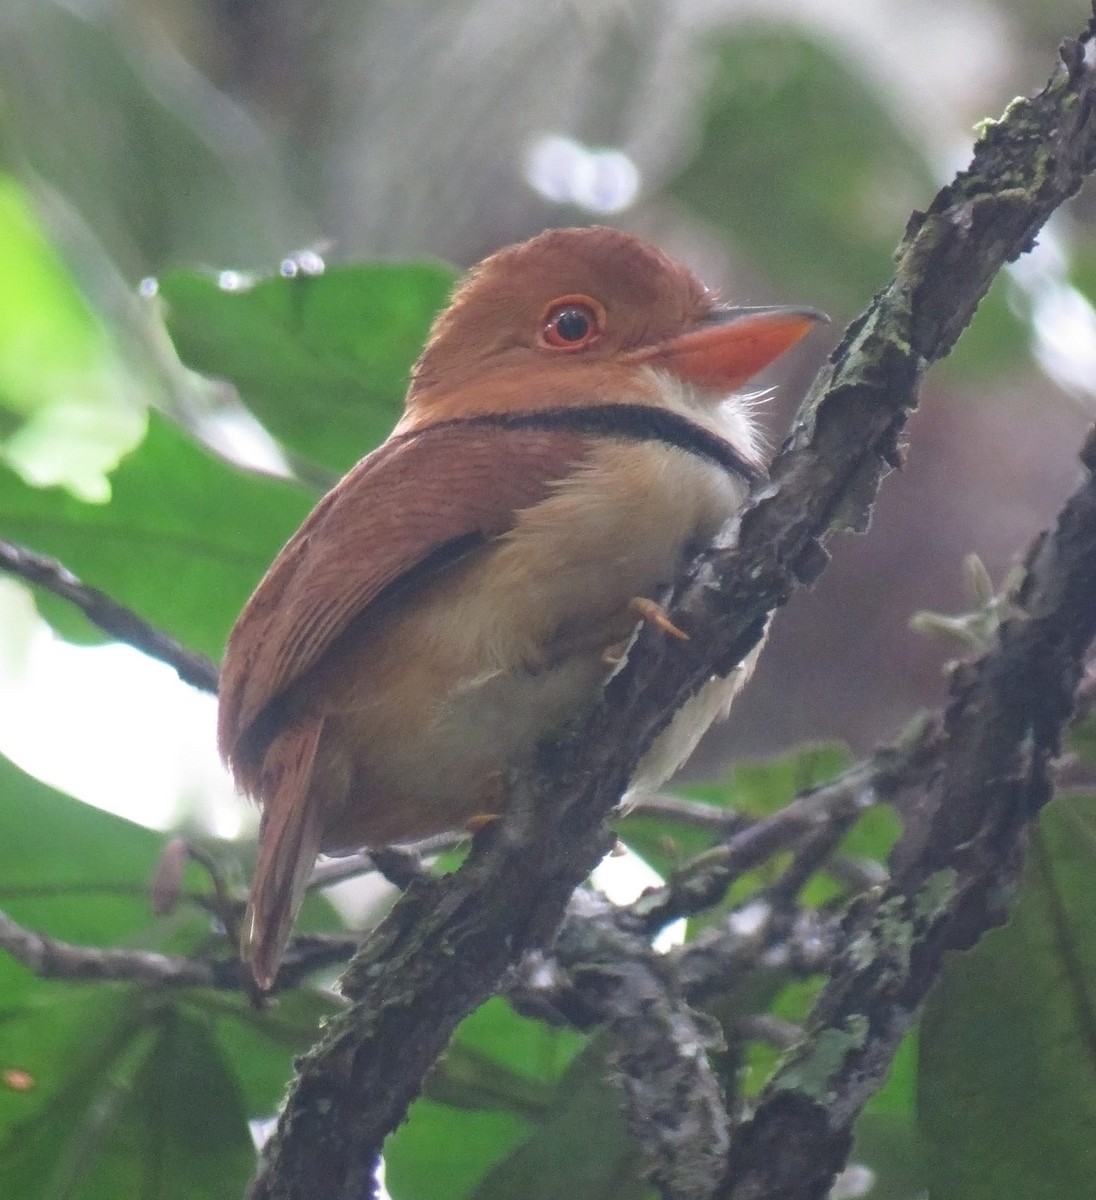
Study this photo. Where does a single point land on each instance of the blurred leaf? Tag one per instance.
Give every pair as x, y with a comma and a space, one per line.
800, 162
995, 343
440, 1152
898, 1096
761, 788
1082, 266
70, 412
753, 789
874, 834
190, 1117
500, 1073
771, 991
663, 844
886, 1138
68, 868
579, 1148
49, 339
163, 167
145, 1106
63, 1041
467, 1078
1007, 1088
321, 360
79, 874
260, 1047
183, 541
537, 1050
116, 1087
80, 1050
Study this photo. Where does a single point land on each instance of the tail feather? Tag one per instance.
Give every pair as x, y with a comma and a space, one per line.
289, 840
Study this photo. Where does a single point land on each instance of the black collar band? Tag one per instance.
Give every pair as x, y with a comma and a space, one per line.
632, 422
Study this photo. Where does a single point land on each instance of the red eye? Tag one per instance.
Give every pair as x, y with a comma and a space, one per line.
572, 322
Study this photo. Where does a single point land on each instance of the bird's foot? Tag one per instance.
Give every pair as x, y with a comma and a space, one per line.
613, 653
492, 799
478, 822
654, 614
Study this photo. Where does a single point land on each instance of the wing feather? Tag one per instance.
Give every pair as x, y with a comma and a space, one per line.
399, 509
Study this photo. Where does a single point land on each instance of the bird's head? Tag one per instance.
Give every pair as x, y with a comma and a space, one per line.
576, 316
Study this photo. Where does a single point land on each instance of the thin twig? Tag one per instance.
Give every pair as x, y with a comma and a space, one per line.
108, 615
351, 866
764, 1027
704, 880
697, 814
52, 958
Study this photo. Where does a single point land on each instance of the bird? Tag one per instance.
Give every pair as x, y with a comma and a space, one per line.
572, 435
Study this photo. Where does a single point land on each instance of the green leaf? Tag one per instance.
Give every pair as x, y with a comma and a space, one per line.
1082, 266
754, 789
189, 1116
146, 1108
321, 360
173, 171
874, 834
499, 1075
67, 409
183, 541
78, 872
771, 990
114, 1087
79, 1050
84, 1051
886, 1139
540, 1052
759, 789
81, 875
800, 163
260, 1046
995, 343
580, 1147
1007, 1089
441, 1152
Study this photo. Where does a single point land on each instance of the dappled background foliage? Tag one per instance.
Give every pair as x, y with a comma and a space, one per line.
186, 190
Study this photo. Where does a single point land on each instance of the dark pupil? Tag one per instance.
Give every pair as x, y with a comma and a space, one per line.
572, 324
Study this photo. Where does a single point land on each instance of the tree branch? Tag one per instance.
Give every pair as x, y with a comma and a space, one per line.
108, 615
447, 944
658, 1049
697, 814
704, 880
50, 958
955, 869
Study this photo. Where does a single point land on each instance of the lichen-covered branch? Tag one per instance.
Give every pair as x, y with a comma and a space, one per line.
447, 944
658, 1050
955, 869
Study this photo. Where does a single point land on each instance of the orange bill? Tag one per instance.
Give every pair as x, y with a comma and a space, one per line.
732, 344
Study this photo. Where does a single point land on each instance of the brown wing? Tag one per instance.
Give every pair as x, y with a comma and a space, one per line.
447, 486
